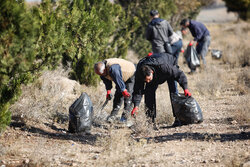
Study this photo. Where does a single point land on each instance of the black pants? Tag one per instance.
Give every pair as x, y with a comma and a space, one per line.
150, 97
119, 99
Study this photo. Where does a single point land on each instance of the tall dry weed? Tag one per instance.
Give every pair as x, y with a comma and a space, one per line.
118, 149
210, 83
47, 99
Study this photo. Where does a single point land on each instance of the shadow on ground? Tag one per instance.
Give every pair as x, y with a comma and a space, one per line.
200, 137
59, 134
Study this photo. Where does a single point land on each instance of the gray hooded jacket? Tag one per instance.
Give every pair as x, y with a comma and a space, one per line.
158, 32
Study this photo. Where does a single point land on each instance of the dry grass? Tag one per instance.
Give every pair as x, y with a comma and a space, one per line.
241, 113
47, 99
233, 40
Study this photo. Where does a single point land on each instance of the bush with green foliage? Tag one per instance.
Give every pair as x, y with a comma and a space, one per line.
77, 33
242, 7
173, 11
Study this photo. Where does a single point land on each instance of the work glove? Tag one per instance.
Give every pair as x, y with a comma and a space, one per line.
134, 111
109, 96
187, 93
149, 54
126, 94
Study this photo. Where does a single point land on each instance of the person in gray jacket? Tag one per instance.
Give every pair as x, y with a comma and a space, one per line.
158, 32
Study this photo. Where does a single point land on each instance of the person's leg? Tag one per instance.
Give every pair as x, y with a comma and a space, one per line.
117, 102
177, 52
128, 101
150, 101
204, 48
173, 90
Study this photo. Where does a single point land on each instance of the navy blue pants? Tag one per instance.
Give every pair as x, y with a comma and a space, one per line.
176, 48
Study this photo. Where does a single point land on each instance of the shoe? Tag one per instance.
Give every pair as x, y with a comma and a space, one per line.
124, 116
177, 123
112, 119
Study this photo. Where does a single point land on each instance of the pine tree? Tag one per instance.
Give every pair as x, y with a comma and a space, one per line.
242, 7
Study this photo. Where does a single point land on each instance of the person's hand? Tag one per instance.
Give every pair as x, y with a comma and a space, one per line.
126, 94
134, 111
182, 50
149, 54
108, 96
191, 43
187, 93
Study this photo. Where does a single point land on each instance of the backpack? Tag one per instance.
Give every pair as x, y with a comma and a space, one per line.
186, 109
80, 115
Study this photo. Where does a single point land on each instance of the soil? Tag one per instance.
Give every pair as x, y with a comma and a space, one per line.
221, 140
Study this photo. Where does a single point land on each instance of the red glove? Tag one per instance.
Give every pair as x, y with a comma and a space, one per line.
149, 54
125, 93
108, 96
187, 93
182, 50
190, 44
134, 111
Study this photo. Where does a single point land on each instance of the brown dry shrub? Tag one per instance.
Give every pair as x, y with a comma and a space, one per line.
210, 83
243, 81
241, 113
47, 99
234, 41
118, 149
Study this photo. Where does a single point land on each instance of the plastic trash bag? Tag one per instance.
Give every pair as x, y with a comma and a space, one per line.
186, 109
191, 57
81, 115
216, 54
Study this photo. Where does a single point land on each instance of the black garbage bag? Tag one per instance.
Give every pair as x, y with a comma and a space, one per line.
81, 115
191, 57
186, 109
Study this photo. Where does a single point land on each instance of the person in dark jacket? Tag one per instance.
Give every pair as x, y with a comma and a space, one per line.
201, 35
121, 72
155, 70
158, 32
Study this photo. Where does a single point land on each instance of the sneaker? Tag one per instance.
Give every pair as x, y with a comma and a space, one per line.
124, 116
112, 119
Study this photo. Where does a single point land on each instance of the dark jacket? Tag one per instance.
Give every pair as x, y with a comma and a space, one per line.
198, 30
158, 32
163, 69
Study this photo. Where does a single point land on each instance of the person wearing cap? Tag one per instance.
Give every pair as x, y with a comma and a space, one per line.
201, 37
121, 72
158, 32
151, 72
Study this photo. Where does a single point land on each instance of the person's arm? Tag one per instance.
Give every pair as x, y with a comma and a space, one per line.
138, 89
107, 83
149, 33
170, 30
116, 74
176, 74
